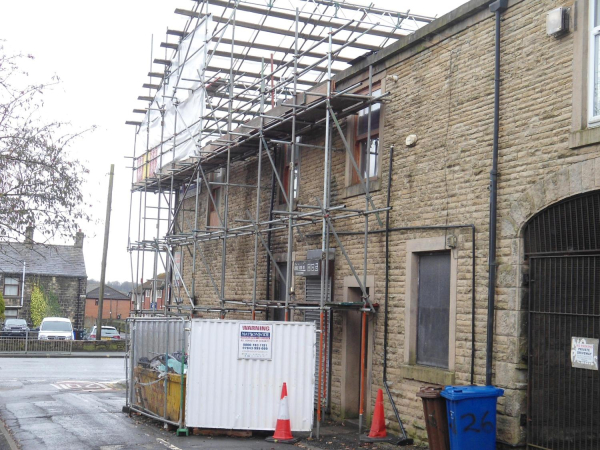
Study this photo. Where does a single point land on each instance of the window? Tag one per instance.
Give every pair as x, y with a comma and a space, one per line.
11, 287
430, 316
213, 207
362, 155
285, 171
148, 292
594, 64
159, 293
433, 306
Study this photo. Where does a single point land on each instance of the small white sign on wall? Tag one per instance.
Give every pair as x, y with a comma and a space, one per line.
255, 341
584, 353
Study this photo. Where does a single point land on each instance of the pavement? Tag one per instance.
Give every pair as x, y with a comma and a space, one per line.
64, 355
76, 403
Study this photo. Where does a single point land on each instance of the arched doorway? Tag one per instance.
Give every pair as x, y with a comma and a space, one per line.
562, 248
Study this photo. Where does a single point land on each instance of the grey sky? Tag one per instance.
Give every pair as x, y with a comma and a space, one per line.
101, 51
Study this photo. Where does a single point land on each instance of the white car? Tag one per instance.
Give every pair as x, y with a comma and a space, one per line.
56, 329
107, 333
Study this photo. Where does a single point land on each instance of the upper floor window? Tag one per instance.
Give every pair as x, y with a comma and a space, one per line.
213, 207
594, 64
148, 291
287, 169
366, 147
159, 293
11, 286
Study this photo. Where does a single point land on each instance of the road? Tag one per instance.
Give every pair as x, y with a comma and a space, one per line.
74, 403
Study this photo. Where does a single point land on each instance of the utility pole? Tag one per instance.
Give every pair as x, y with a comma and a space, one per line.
104, 253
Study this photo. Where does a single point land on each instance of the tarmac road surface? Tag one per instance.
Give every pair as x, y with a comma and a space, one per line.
75, 403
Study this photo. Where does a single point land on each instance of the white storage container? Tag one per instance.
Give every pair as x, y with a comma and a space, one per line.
237, 368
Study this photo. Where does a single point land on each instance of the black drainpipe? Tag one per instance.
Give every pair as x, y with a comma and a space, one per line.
498, 7
387, 268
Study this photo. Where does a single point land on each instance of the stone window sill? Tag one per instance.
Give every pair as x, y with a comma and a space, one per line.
426, 374
581, 138
356, 189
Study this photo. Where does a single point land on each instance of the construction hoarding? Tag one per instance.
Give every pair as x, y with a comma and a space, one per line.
238, 371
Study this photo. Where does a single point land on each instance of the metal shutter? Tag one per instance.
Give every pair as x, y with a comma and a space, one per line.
313, 290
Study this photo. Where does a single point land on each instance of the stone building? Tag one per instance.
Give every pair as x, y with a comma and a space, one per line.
431, 147
58, 269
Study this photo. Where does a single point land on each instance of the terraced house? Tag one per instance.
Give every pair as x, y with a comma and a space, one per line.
433, 203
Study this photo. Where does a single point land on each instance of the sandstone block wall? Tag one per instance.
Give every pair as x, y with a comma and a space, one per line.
444, 94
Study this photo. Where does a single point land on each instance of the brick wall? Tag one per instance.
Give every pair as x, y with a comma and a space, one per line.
111, 308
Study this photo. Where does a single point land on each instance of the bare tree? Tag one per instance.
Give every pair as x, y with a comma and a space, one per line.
39, 183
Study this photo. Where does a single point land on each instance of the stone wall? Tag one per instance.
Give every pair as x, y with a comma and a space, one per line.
70, 292
440, 89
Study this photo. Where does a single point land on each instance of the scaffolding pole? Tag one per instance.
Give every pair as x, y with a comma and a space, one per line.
235, 124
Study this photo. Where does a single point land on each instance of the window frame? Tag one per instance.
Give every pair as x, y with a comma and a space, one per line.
364, 137
411, 369
148, 293
17, 284
353, 189
592, 33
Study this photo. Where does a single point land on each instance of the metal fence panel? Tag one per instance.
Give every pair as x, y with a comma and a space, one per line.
228, 391
154, 386
29, 344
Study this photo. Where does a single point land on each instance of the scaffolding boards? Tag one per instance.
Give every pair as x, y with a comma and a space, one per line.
238, 80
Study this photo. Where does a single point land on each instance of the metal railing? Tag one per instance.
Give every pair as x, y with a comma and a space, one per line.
156, 366
30, 344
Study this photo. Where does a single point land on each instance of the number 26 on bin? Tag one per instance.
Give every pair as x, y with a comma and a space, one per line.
472, 423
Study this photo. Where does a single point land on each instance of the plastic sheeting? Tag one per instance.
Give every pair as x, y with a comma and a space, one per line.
183, 104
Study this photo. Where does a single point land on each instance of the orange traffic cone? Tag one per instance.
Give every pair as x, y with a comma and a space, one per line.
378, 423
378, 432
283, 429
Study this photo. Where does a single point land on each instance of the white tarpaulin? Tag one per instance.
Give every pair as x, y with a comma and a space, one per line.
181, 97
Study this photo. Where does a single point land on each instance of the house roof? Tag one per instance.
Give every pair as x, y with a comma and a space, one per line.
40, 259
109, 293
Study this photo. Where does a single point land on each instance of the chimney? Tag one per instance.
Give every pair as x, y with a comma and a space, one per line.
79, 239
29, 235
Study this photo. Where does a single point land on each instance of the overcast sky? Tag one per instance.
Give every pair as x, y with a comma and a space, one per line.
101, 52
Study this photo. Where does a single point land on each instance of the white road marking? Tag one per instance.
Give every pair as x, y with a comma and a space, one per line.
81, 386
167, 444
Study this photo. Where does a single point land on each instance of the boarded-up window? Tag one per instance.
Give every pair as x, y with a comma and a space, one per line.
213, 215
433, 324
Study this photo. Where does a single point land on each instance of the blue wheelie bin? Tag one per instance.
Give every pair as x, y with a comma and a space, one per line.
472, 416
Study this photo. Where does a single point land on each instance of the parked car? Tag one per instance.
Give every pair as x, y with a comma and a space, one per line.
108, 333
15, 328
56, 328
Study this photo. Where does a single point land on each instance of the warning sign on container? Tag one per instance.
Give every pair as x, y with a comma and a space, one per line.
584, 353
255, 341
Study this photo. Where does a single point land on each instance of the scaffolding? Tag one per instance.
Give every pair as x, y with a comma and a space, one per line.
240, 80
